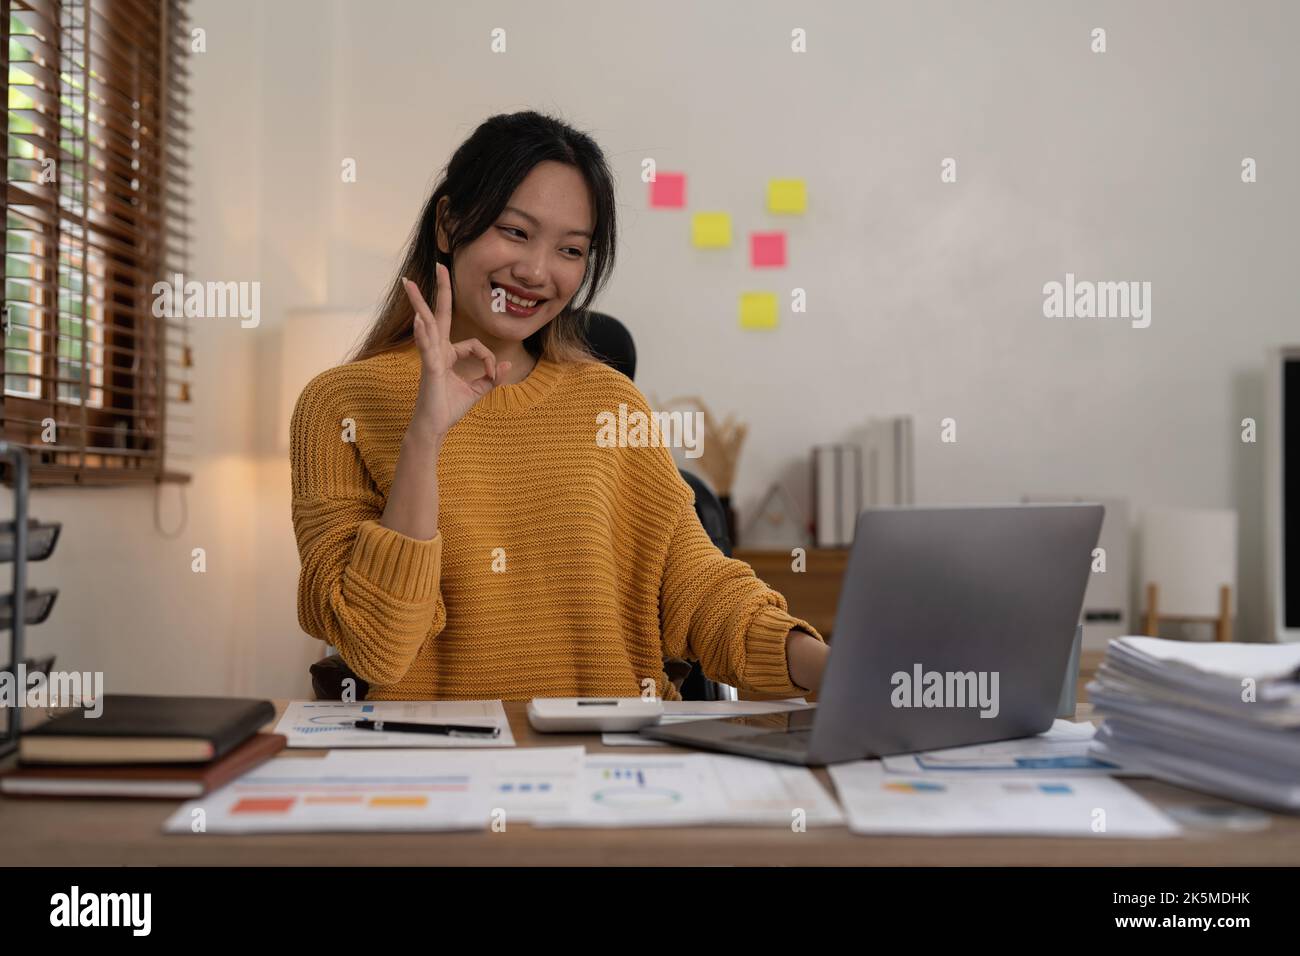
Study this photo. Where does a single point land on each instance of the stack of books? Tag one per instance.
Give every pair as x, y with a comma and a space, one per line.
144, 746
1223, 718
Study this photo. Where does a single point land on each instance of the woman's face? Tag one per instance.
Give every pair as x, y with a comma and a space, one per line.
537, 250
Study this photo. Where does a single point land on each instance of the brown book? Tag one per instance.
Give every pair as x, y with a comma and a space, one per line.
156, 781
137, 728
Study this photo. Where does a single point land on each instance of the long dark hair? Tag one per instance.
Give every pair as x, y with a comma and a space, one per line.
478, 182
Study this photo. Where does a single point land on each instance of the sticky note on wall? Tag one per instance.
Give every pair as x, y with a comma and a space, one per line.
758, 310
668, 191
788, 196
711, 230
767, 249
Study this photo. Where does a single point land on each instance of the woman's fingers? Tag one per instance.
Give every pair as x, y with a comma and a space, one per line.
417, 300
486, 383
421, 337
423, 317
475, 347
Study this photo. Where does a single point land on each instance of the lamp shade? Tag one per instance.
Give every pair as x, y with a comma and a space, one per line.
1190, 553
313, 340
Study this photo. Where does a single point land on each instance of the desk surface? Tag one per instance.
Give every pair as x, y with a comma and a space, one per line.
67, 832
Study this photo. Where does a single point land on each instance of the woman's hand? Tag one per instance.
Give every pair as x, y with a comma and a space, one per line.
805, 659
444, 396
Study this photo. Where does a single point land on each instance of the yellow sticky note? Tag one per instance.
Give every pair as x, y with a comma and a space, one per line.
758, 310
711, 230
788, 196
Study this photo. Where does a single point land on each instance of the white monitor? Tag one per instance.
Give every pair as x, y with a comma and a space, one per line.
1282, 493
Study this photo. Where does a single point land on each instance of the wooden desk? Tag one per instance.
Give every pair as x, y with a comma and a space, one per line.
69, 832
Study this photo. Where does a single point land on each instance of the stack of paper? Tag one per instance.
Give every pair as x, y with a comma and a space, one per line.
1222, 718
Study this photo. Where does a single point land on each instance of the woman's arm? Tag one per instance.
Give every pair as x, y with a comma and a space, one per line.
443, 399
369, 590
715, 610
412, 507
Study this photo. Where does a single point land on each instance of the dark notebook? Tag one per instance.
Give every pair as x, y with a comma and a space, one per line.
147, 729
164, 781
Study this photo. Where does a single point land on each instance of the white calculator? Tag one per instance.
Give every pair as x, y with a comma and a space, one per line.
593, 714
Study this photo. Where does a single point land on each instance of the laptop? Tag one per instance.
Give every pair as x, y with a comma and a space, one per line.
954, 626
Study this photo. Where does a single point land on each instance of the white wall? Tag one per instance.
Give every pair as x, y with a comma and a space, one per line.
924, 298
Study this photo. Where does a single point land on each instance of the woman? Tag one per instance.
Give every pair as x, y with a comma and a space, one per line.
462, 533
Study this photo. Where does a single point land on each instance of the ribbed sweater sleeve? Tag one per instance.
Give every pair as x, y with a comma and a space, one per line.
369, 591
714, 609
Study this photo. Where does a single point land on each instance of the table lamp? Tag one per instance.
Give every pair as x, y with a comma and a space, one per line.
1189, 567
314, 339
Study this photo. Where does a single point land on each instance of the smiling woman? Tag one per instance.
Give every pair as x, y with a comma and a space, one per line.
527, 205
463, 533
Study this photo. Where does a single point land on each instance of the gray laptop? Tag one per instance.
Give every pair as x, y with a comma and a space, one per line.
954, 626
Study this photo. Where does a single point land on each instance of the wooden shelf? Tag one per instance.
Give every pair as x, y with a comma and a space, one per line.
813, 593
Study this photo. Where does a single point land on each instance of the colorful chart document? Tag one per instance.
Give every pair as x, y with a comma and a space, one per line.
390, 790
695, 789
877, 801
329, 723
1062, 750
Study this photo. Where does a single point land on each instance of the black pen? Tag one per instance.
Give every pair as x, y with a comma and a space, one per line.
451, 730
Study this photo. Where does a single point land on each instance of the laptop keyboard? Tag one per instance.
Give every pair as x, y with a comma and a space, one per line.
785, 740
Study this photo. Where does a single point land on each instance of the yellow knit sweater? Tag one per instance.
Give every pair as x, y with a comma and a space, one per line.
560, 567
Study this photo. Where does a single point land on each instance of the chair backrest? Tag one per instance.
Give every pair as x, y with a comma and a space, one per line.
710, 510
611, 342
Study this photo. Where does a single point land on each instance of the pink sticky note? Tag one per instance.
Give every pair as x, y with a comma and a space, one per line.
668, 191
767, 249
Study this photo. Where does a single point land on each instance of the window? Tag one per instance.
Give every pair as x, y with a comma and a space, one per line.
95, 211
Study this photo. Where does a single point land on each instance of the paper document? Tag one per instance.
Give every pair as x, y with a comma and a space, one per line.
654, 790
351, 790
876, 801
1062, 750
1219, 778
680, 711
329, 723
1232, 660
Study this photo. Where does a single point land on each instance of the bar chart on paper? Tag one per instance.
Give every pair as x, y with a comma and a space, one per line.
352, 790
627, 788
631, 790
315, 794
